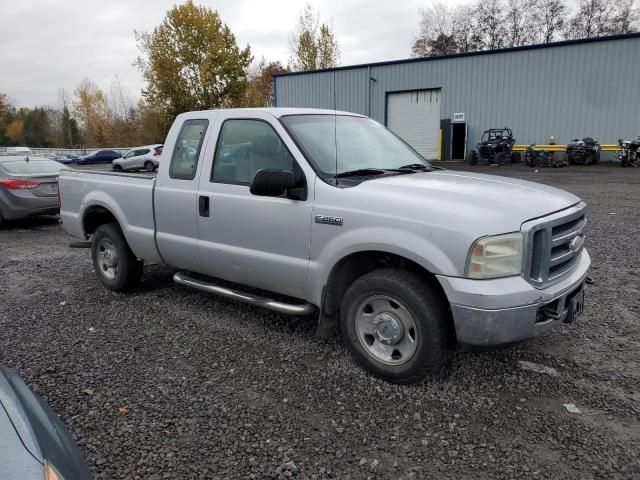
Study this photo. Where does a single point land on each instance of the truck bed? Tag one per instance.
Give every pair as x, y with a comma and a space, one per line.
127, 196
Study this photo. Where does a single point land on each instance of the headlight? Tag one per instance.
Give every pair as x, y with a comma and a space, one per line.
496, 256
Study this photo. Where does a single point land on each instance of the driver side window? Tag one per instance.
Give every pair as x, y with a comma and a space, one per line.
246, 146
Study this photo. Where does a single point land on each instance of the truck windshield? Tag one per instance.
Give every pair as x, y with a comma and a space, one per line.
358, 143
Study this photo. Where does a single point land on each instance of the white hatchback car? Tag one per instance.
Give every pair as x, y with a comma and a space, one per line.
139, 158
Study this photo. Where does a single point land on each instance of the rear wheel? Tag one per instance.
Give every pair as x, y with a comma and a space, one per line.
149, 166
516, 157
396, 325
115, 264
570, 159
472, 158
500, 158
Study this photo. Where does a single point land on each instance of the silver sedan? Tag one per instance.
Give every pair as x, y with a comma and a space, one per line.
28, 186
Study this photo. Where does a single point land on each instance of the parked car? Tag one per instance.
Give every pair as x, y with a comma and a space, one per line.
34, 443
99, 156
333, 215
18, 151
140, 158
28, 186
66, 158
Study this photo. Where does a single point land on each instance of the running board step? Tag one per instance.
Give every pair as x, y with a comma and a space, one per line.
281, 307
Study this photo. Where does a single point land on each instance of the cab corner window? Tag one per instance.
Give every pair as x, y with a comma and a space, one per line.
184, 160
246, 146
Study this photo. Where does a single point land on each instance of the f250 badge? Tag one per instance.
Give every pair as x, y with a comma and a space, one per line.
329, 220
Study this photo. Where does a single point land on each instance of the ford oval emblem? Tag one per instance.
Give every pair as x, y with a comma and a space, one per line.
576, 243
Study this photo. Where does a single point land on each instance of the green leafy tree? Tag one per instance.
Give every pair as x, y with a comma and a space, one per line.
313, 45
70, 132
191, 61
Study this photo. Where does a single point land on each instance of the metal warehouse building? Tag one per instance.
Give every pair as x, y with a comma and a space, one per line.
441, 105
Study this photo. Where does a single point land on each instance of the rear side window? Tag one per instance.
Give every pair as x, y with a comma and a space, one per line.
143, 151
184, 160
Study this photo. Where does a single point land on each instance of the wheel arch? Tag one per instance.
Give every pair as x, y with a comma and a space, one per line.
356, 264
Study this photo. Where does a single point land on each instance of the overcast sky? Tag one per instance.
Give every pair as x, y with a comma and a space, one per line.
49, 45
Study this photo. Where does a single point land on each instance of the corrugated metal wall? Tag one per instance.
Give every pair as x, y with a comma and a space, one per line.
569, 91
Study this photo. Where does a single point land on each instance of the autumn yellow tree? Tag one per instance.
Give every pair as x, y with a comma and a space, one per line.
191, 61
91, 109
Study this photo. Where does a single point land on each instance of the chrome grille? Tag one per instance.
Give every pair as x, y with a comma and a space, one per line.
553, 245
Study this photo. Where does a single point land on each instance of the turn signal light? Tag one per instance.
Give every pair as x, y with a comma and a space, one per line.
13, 184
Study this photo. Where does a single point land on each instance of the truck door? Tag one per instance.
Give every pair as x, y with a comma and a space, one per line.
253, 240
175, 195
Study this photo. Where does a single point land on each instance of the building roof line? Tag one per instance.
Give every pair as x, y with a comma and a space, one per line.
536, 46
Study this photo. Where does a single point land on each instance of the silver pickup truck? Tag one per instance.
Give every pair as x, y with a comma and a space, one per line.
328, 213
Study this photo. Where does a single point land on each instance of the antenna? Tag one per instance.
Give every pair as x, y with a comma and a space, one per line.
335, 126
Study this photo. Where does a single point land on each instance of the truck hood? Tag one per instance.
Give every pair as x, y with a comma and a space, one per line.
491, 203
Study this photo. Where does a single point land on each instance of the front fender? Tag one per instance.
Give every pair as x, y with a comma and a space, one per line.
409, 245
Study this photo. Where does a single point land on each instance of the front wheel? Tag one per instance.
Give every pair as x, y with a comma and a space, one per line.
115, 264
396, 325
149, 166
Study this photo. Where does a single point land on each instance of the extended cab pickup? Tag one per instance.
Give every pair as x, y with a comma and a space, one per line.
314, 211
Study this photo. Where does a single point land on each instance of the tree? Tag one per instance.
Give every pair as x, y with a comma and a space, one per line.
191, 62
14, 132
70, 133
521, 23
445, 30
91, 108
490, 24
590, 20
313, 45
37, 129
260, 87
328, 49
624, 17
550, 16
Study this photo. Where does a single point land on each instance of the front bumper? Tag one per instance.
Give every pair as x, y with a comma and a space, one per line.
506, 310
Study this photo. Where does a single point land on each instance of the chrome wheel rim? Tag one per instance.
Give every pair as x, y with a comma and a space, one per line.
108, 259
386, 330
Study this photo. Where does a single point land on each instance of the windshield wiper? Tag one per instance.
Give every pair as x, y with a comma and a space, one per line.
361, 172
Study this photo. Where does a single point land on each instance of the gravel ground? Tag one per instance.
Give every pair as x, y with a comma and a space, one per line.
172, 383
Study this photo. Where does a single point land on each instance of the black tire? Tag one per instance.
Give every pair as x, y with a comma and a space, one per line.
596, 157
500, 158
516, 157
128, 269
570, 159
1, 222
117, 167
472, 158
589, 159
149, 166
428, 311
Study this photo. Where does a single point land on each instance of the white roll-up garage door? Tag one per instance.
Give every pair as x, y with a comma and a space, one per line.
415, 117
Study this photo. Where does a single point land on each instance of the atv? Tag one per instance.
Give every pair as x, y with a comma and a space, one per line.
629, 152
542, 158
585, 151
495, 147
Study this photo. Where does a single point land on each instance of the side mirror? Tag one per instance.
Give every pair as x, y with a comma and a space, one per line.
272, 183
